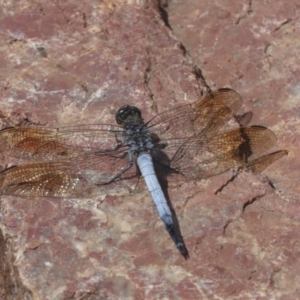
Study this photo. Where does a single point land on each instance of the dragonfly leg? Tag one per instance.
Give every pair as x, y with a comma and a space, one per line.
117, 147
118, 175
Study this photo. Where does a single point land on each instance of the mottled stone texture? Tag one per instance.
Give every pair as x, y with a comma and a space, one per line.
74, 62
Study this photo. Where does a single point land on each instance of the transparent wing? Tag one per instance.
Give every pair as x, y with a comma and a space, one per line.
173, 126
187, 120
48, 144
208, 155
71, 161
259, 164
77, 177
192, 143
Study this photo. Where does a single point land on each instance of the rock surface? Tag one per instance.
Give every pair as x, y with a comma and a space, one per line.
76, 62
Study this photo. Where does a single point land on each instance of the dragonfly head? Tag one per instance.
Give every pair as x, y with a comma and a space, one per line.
129, 115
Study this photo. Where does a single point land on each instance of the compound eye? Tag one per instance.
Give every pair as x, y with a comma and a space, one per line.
128, 115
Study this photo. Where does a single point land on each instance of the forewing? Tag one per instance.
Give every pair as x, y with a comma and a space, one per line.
188, 120
47, 144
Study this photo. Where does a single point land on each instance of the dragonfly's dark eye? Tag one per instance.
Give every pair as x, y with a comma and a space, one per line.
129, 115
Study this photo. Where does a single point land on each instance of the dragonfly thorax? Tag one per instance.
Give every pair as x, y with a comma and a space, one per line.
136, 134
137, 138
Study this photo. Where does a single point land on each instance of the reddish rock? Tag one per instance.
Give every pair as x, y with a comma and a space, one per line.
72, 62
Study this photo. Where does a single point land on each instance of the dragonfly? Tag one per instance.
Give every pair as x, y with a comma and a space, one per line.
190, 142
